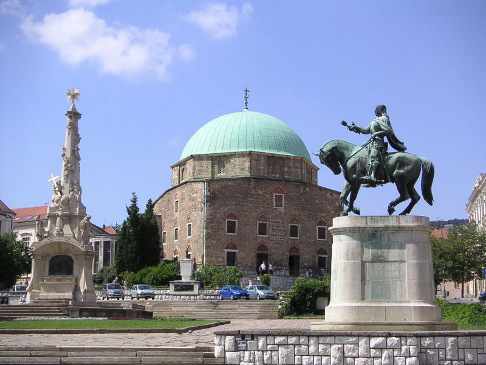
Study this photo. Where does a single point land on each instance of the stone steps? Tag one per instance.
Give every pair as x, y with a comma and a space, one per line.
216, 309
28, 310
108, 355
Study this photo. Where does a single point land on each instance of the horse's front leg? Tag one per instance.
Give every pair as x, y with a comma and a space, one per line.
343, 198
354, 195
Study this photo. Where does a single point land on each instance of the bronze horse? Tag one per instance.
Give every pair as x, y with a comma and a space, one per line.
401, 168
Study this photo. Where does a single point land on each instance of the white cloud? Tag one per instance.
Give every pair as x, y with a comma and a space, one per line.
78, 36
220, 20
87, 3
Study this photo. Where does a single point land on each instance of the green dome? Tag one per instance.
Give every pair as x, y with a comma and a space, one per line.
245, 131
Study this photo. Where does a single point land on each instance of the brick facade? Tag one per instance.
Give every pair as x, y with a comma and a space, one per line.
210, 189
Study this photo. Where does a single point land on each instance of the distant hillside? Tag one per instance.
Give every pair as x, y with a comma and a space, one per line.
449, 222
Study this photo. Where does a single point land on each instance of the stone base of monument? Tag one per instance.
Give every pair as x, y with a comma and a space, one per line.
382, 275
183, 287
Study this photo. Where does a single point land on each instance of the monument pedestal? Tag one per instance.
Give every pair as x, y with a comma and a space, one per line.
381, 275
185, 286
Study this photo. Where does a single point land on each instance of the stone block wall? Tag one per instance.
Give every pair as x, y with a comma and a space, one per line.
351, 348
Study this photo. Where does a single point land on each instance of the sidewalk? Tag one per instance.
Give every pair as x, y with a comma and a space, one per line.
203, 337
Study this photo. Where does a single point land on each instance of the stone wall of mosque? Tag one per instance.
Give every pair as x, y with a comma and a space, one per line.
275, 222
282, 223
244, 164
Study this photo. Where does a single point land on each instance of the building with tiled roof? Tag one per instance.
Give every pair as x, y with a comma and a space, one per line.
24, 222
6, 218
103, 240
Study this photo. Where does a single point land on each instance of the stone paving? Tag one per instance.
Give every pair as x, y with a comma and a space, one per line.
203, 337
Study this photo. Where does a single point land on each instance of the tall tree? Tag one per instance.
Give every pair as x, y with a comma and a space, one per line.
149, 242
461, 256
15, 260
139, 240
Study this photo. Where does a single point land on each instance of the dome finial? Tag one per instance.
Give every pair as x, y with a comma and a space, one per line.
245, 98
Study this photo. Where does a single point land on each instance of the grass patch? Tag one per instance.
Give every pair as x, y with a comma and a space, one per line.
103, 324
467, 316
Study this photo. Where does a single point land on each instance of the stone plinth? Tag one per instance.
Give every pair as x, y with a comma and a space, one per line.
381, 275
70, 279
185, 269
185, 286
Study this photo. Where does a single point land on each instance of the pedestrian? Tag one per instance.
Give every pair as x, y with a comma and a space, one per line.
263, 268
270, 269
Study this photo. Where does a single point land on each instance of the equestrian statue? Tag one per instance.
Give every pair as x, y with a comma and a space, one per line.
371, 165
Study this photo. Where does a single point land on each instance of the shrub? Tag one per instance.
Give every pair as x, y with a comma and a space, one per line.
467, 316
105, 275
216, 276
265, 279
159, 275
303, 295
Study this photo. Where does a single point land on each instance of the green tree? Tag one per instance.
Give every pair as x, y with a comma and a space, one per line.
461, 256
15, 260
148, 246
441, 259
139, 240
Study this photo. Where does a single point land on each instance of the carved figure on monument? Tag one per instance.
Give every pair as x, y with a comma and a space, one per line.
40, 232
57, 192
371, 165
84, 226
59, 225
74, 199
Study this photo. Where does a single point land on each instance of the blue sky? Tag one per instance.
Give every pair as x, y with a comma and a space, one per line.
152, 72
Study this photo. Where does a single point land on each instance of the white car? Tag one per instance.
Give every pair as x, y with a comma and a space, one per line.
260, 292
142, 291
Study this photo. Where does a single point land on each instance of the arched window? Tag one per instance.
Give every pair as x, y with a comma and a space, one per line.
262, 257
231, 224
322, 261
61, 265
231, 255
321, 230
262, 226
294, 261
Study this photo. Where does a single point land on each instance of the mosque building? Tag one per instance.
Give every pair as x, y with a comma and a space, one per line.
245, 192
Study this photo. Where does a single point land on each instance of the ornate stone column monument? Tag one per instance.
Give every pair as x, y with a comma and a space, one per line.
62, 256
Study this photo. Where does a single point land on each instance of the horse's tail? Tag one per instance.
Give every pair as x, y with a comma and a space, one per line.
427, 179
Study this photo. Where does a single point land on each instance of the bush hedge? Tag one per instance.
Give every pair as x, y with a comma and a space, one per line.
159, 275
105, 275
265, 279
302, 297
213, 277
467, 316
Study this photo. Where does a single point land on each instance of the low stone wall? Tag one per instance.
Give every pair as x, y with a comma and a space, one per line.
351, 348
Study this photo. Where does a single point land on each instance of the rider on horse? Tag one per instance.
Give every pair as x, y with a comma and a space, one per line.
379, 128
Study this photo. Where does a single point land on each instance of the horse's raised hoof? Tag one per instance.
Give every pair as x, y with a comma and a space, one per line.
391, 210
356, 211
404, 213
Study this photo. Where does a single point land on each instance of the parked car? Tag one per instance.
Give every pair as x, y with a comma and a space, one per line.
142, 291
20, 288
482, 297
260, 292
232, 292
112, 291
